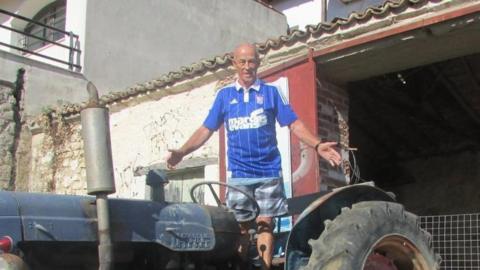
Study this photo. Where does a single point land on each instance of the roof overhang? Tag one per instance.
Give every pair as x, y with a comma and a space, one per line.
359, 48
448, 34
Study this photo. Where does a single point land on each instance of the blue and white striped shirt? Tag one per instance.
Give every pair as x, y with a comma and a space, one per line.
249, 119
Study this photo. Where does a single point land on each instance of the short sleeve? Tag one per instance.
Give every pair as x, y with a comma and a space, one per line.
216, 114
284, 112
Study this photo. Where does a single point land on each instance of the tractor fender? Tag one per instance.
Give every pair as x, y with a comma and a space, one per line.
310, 223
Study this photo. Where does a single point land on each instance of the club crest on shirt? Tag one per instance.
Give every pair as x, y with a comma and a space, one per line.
259, 99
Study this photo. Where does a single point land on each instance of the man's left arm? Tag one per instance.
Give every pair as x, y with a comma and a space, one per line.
325, 150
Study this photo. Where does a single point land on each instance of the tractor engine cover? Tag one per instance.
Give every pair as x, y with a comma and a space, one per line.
191, 227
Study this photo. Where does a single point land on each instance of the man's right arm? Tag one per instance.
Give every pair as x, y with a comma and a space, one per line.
198, 138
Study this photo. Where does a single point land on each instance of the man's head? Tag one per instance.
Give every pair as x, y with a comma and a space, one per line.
246, 62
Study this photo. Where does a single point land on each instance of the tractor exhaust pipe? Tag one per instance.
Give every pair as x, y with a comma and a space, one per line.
98, 159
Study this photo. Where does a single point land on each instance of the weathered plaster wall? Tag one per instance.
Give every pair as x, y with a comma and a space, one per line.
140, 137
142, 134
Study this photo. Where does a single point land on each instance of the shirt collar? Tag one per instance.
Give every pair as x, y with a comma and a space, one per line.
255, 86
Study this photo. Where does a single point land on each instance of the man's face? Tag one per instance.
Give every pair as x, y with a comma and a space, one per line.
246, 63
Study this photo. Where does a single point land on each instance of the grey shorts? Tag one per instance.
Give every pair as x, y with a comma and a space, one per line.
270, 196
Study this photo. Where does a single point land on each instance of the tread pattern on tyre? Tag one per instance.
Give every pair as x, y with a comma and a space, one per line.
349, 238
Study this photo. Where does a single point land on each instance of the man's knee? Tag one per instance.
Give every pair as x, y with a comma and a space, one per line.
264, 224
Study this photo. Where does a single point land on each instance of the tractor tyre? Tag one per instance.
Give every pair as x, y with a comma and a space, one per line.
10, 261
373, 235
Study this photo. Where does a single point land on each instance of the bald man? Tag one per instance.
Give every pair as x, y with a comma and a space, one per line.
249, 109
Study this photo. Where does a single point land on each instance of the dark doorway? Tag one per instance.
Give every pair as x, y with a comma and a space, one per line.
418, 134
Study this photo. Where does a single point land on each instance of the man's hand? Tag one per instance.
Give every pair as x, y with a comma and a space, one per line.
326, 151
198, 138
174, 156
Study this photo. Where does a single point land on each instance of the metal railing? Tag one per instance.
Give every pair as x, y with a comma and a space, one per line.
73, 50
456, 238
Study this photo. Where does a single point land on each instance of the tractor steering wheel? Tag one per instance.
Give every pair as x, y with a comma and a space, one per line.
253, 214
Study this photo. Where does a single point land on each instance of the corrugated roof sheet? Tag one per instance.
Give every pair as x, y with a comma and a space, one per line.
223, 61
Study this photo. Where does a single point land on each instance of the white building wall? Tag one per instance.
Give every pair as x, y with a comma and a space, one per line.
75, 22
5, 35
132, 42
24, 8
54, 51
300, 13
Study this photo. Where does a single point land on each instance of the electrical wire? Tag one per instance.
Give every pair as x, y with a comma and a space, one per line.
353, 167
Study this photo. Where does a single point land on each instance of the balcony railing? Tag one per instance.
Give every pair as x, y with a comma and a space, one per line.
73, 50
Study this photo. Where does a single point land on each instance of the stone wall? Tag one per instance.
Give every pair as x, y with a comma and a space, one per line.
57, 161
8, 127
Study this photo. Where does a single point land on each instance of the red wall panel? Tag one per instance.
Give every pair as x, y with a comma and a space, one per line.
303, 99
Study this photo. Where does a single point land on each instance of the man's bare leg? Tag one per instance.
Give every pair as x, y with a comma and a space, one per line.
265, 241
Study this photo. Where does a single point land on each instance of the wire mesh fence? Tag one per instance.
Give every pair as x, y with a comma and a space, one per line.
456, 238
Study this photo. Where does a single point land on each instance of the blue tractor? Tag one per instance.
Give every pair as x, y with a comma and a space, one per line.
357, 227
